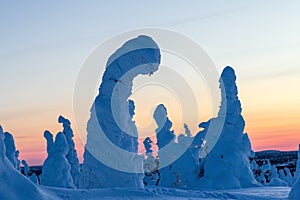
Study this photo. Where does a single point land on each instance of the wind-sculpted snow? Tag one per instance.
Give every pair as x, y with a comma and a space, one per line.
110, 158
228, 165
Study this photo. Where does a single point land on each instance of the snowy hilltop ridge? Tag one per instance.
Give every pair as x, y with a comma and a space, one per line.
112, 166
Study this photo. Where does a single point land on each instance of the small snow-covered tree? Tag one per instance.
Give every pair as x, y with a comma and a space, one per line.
165, 137
72, 154
18, 162
33, 177
56, 170
150, 166
274, 179
187, 130
288, 176
26, 167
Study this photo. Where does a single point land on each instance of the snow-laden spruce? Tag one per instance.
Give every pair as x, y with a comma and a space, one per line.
26, 167
110, 157
150, 165
56, 170
165, 137
18, 162
274, 179
10, 148
14, 185
72, 153
227, 165
179, 162
295, 192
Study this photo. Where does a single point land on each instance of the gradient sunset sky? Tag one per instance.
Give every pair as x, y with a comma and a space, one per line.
43, 45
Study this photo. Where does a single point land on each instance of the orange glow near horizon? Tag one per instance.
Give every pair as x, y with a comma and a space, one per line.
271, 125
265, 133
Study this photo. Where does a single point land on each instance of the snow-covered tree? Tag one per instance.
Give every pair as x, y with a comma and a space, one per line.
34, 178
150, 166
227, 165
187, 130
56, 170
72, 154
10, 148
111, 128
274, 179
165, 137
288, 176
18, 162
26, 167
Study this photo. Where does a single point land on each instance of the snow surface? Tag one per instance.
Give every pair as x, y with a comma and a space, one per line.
112, 140
261, 193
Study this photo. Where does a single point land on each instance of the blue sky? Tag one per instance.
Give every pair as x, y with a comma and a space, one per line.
44, 44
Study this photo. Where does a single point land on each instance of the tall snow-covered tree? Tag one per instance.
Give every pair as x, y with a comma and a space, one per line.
111, 128
72, 153
227, 165
165, 137
10, 148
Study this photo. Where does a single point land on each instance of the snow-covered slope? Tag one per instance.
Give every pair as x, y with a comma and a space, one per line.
13, 185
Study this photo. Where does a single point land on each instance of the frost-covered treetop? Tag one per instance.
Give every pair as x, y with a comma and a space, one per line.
160, 115
230, 104
148, 145
164, 134
61, 145
142, 41
66, 123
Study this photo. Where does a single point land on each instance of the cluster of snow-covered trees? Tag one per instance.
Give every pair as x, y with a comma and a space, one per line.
230, 163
